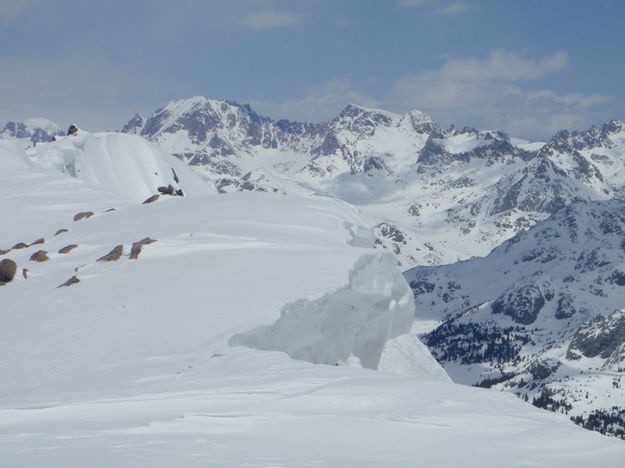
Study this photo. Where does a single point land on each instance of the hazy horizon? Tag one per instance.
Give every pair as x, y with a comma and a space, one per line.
529, 68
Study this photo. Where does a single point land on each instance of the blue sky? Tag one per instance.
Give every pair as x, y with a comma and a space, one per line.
527, 66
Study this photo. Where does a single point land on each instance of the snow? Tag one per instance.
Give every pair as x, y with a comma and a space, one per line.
135, 365
124, 164
354, 321
526, 144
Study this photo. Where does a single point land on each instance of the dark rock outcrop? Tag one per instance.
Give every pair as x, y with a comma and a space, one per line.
39, 256
152, 199
7, 271
601, 337
67, 249
114, 255
83, 215
169, 190
69, 282
137, 246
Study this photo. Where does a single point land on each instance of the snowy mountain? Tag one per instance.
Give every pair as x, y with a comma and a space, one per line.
235, 329
541, 316
31, 131
439, 195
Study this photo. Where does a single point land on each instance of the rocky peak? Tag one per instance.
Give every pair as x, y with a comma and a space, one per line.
135, 124
221, 125
614, 126
419, 122
594, 137
363, 120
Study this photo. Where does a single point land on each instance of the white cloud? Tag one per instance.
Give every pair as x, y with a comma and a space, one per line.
271, 19
488, 92
416, 3
502, 66
11, 9
319, 103
454, 8
440, 7
91, 91
582, 100
491, 92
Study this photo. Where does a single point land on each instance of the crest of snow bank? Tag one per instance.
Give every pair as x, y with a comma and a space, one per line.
353, 324
125, 164
12, 156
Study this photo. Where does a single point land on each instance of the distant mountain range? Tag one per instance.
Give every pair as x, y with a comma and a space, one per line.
441, 195
541, 315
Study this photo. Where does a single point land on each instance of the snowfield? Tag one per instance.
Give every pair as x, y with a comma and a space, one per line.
256, 330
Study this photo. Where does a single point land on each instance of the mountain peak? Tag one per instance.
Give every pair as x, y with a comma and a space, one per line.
34, 130
614, 126
355, 110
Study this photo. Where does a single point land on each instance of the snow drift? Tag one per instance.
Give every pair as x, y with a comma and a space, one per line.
353, 322
126, 164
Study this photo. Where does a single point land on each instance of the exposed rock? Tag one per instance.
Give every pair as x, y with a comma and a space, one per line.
109, 210
137, 246
176, 179
113, 255
39, 241
543, 369
67, 248
134, 125
72, 130
2, 251
69, 282
25, 273
83, 215
60, 231
179, 192
19, 245
601, 337
152, 199
565, 309
521, 303
169, 190
39, 256
7, 271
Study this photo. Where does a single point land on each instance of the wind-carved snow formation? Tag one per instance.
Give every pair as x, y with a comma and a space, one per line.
352, 325
125, 164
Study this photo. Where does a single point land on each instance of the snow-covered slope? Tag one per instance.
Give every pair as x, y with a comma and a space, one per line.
125, 164
439, 195
541, 315
244, 332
